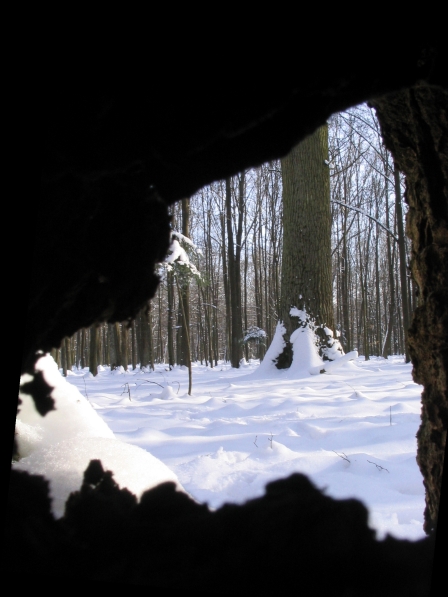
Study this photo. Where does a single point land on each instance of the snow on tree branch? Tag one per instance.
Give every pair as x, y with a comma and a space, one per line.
178, 257
254, 333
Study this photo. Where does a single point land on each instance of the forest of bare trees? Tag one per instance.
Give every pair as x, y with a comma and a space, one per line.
230, 310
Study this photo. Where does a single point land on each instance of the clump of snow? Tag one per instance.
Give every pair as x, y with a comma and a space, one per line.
305, 355
329, 349
167, 393
184, 239
178, 256
28, 436
80, 418
254, 333
330, 366
276, 347
176, 253
299, 313
333, 350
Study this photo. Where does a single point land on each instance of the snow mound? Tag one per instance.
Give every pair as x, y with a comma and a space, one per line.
167, 393
64, 464
61, 453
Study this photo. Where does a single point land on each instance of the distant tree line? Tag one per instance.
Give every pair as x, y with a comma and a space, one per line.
231, 310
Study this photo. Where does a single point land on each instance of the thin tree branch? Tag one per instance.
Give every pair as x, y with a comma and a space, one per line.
364, 213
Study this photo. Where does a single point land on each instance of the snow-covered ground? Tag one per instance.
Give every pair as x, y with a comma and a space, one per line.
352, 430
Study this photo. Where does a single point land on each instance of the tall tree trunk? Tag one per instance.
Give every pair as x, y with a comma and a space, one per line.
133, 345
93, 352
184, 336
83, 349
124, 345
203, 352
112, 345
246, 267
306, 261
403, 266
106, 345
225, 275
161, 350
387, 349
117, 342
234, 269
148, 316
64, 357
78, 348
147, 349
347, 334
170, 335
410, 122
187, 338
55, 353
379, 338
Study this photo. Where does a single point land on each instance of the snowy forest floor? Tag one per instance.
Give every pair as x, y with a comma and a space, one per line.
352, 431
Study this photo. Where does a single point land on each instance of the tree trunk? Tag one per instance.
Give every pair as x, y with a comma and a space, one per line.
403, 266
306, 262
133, 346
410, 125
225, 276
124, 345
346, 326
187, 338
93, 352
387, 348
64, 357
147, 350
117, 342
170, 335
234, 270
184, 344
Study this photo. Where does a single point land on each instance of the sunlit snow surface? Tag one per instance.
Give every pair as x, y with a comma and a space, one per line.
352, 430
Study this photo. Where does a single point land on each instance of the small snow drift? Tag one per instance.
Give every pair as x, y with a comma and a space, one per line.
62, 452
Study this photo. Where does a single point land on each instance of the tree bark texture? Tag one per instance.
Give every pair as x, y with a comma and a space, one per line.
184, 300
234, 270
403, 265
93, 361
414, 124
306, 262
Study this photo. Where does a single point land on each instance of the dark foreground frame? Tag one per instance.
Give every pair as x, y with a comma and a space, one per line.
138, 152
